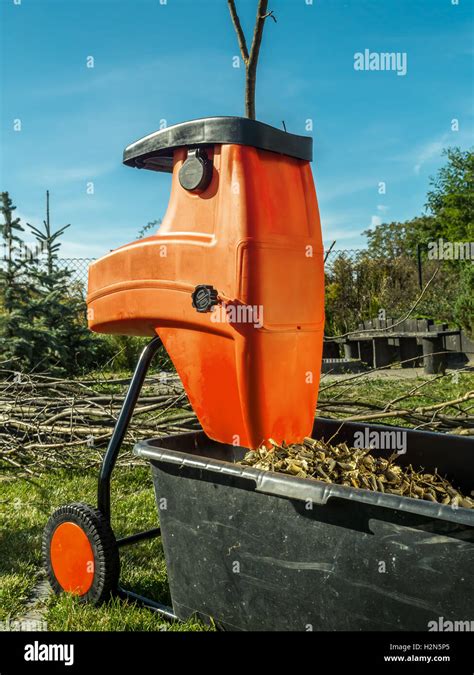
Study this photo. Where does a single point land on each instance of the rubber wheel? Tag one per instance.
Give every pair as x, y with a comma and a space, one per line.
80, 553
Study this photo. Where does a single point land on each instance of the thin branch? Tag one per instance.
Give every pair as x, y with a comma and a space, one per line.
270, 15
250, 60
329, 250
251, 79
258, 32
239, 31
397, 323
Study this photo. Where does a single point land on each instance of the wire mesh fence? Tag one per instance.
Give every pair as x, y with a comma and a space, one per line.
359, 284
332, 255
78, 267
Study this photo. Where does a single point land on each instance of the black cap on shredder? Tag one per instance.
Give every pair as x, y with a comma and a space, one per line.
156, 150
196, 171
204, 298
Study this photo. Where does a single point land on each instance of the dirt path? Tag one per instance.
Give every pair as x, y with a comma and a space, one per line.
34, 613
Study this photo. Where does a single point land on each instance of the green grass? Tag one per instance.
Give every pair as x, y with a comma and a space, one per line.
24, 509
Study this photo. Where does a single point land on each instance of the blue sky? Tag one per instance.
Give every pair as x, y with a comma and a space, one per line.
174, 62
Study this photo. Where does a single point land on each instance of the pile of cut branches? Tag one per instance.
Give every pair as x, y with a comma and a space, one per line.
46, 422
417, 406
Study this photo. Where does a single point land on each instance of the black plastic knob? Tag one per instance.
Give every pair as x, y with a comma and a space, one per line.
196, 172
204, 298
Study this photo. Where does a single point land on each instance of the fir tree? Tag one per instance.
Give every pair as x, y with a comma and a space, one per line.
15, 289
12, 264
42, 315
59, 314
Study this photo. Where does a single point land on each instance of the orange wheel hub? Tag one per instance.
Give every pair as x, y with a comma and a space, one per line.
72, 558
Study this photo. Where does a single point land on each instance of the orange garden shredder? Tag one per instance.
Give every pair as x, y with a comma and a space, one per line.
233, 285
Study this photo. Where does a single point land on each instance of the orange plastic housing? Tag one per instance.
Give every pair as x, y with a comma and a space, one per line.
254, 234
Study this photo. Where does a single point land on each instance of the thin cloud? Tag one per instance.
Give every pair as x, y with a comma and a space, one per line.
428, 152
342, 188
57, 175
431, 150
77, 249
99, 78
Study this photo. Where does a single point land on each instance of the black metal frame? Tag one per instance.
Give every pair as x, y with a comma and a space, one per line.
108, 464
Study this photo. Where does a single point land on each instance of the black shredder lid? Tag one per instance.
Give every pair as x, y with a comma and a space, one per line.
155, 151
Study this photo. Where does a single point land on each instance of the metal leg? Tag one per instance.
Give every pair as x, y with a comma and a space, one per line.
113, 449
140, 536
164, 610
